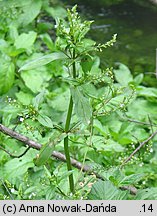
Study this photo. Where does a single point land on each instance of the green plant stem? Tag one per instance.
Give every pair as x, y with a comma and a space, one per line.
74, 66
66, 146
67, 127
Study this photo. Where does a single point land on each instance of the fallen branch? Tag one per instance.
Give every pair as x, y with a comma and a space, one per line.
56, 154
142, 123
132, 189
138, 148
37, 146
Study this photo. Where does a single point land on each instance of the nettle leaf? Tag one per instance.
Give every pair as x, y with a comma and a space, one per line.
57, 12
25, 40
123, 74
131, 179
24, 98
147, 92
7, 75
82, 106
43, 61
147, 194
18, 166
45, 121
113, 146
140, 109
60, 102
36, 80
31, 11
105, 190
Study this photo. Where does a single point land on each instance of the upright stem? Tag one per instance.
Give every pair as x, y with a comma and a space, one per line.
67, 127
156, 63
74, 65
66, 145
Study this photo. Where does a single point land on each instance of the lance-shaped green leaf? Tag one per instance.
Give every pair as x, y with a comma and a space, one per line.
7, 75
38, 100
47, 149
43, 61
82, 106
45, 121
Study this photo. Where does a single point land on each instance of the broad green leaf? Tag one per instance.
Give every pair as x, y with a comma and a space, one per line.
47, 149
3, 45
14, 3
60, 102
105, 190
88, 44
38, 99
138, 79
100, 128
45, 121
24, 98
13, 32
7, 75
141, 108
147, 194
123, 75
31, 11
86, 64
146, 91
43, 61
9, 109
90, 90
33, 80
98, 142
25, 40
95, 67
82, 106
131, 179
113, 146
18, 166
57, 12
36, 80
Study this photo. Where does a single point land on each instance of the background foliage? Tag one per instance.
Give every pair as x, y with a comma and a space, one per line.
35, 99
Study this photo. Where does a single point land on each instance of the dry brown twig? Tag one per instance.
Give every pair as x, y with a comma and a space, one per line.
37, 146
139, 147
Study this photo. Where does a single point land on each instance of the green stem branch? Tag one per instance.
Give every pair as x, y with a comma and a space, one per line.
67, 127
66, 145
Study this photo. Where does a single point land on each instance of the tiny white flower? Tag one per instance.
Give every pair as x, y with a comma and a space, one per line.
27, 116
21, 119
33, 194
141, 164
12, 190
151, 150
9, 99
122, 105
